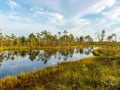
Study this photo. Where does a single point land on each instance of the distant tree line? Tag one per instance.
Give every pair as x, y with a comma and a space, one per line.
45, 38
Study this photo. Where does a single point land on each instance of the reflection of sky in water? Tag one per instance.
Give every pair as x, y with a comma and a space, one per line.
24, 64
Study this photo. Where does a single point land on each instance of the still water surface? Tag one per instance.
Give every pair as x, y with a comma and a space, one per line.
14, 62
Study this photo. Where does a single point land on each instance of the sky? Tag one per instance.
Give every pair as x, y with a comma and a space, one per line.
79, 17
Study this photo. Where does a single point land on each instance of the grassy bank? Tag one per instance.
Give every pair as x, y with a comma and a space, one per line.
101, 72
3, 48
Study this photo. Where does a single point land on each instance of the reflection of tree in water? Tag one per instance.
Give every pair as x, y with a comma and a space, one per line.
12, 58
88, 51
43, 55
1, 57
77, 51
23, 53
81, 51
71, 52
50, 53
32, 54
66, 53
10, 55
59, 56
46, 54
16, 53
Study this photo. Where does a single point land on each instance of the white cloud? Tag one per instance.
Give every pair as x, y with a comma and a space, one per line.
51, 4
80, 27
13, 4
58, 16
52, 17
81, 22
85, 26
113, 14
116, 30
110, 3
22, 25
36, 11
9, 17
96, 8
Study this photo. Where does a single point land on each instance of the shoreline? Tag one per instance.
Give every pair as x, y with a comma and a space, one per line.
3, 48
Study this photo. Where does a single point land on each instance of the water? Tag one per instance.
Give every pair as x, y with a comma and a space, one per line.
14, 62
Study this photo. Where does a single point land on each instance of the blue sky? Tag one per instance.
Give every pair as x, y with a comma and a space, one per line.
79, 17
